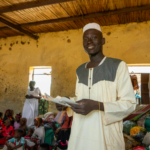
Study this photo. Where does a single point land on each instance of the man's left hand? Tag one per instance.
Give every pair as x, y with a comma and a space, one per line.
85, 106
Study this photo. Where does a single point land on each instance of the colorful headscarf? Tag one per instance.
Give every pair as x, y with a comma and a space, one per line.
47, 116
18, 115
39, 120
10, 112
10, 116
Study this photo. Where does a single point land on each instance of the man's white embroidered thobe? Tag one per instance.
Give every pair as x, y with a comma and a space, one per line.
109, 83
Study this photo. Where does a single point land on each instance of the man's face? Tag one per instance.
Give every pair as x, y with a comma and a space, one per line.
93, 41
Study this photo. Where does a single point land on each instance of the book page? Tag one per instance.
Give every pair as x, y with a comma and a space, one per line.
60, 100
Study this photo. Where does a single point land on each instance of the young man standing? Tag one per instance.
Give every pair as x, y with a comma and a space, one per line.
105, 94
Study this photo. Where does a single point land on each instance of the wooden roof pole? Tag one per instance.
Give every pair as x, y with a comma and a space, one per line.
27, 5
17, 28
93, 15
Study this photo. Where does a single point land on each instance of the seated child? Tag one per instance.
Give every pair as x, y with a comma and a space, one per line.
29, 134
17, 122
15, 143
29, 143
23, 125
8, 115
44, 146
7, 132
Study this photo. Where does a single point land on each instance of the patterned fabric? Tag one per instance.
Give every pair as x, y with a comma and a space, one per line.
39, 134
8, 132
15, 142
139, 112
43, 106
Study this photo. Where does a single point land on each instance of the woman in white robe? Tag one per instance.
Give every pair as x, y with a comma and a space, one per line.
30, 109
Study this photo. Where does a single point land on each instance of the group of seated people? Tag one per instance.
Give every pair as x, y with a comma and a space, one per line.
47, 133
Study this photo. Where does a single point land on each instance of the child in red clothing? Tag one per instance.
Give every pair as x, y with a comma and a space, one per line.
7, 132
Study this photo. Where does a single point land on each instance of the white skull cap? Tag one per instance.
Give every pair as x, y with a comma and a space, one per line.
92, 26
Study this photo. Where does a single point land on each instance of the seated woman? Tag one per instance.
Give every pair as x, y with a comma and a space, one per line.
39, 132
7, 132
17, 122
8, 115
17, 142
23, 125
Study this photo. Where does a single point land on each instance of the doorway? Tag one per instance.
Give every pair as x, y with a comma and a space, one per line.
143, 77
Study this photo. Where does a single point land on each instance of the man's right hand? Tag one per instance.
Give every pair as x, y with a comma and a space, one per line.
60, 107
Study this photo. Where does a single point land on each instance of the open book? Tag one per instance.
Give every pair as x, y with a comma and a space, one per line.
60, 100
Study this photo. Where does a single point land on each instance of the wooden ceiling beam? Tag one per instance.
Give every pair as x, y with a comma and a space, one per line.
17, 28
27, 5
93, 15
